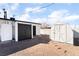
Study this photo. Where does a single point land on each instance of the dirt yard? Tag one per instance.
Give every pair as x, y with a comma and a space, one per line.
51, 48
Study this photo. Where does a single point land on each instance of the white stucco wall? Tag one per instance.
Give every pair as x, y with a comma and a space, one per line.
45, 31
5, 30
16, 31
37, 29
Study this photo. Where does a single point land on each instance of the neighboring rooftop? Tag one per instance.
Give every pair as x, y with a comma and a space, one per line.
45, 26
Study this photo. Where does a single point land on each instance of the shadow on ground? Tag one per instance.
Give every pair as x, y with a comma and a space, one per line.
9, 47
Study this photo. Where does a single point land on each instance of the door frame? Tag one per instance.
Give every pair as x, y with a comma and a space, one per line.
16, 29
34, 30
24, 26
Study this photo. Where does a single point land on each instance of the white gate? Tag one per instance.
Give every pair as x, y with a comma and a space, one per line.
62, 33
69, 35
6, 32
57, 33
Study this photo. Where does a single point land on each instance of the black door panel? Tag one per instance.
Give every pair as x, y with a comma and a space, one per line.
34, 30
24, 32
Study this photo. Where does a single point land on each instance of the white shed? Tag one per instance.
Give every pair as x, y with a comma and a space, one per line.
11, 29
61, 32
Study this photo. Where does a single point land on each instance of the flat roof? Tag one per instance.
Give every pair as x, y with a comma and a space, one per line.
21, 21
28, 22
7, 19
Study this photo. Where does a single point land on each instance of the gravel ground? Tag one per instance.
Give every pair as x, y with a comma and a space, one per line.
38, 46
51, 48
10, 47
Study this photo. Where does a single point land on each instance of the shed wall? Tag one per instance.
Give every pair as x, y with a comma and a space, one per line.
76, 32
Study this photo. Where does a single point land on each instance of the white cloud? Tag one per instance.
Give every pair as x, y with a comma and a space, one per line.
27, 10
14, 6
39, 20
62, 15
1, 13
9, 8
34, 10
72, 17
25, 16
59, 13
2, 5
38, 9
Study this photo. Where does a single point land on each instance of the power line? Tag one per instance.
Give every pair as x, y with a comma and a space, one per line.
43, 7
46, 6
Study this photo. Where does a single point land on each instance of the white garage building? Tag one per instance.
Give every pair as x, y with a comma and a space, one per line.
62, 32
11, 29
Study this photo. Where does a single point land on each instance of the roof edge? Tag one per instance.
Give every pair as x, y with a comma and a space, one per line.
21, 21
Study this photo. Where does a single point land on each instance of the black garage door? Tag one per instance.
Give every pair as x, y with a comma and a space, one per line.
24, 32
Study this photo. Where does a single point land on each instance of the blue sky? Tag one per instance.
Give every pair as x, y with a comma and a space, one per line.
66, 12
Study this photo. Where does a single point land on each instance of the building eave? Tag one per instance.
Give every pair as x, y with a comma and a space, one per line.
20, 21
